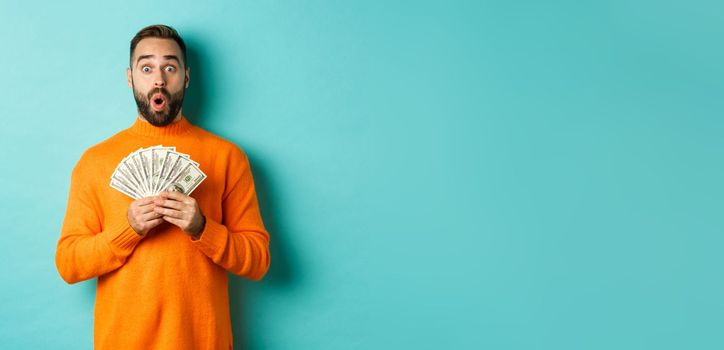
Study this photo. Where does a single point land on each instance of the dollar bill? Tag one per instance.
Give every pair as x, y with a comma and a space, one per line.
148, 171
187, 180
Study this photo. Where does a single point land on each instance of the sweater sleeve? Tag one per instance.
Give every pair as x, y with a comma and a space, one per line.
240, 243
85, 248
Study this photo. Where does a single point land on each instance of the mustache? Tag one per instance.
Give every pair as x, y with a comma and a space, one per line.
162, 91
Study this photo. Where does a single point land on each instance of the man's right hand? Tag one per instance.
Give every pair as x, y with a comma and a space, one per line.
142, 217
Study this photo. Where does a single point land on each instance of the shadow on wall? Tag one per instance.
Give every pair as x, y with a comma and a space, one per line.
195, 95
280, 274
279, 277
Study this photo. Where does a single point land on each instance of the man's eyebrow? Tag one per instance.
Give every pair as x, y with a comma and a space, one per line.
168, 57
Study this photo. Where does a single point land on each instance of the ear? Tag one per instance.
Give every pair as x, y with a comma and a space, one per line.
129, 77
186, 79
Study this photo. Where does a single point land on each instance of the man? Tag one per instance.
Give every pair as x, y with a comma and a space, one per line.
161, 262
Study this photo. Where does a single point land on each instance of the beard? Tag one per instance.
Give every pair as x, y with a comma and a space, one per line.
167, 114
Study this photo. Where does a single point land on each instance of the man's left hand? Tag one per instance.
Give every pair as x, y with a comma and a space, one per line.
182, 211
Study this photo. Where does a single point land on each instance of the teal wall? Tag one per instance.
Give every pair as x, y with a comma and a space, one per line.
452, 174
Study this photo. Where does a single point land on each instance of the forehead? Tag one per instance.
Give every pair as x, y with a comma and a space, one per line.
158, 47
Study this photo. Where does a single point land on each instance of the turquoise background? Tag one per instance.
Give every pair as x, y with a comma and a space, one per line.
452, 174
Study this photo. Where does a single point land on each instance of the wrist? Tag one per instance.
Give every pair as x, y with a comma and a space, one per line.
197, 235
136, 231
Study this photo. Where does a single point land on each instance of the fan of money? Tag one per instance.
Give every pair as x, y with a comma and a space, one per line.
148, 171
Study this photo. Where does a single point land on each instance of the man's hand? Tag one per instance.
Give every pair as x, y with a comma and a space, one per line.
182, 211
141, 216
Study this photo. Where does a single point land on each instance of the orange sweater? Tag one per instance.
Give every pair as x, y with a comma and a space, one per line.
164, 291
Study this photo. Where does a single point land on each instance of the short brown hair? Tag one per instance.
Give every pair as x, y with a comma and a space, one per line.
158, 31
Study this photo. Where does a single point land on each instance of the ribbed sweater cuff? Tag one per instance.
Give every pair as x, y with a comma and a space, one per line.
122, 239
213, 238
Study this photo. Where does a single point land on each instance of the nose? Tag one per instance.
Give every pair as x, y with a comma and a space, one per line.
159, 81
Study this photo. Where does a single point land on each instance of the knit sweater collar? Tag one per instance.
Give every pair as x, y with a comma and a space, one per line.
144, 128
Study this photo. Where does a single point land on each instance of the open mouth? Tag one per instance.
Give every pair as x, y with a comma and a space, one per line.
158, 101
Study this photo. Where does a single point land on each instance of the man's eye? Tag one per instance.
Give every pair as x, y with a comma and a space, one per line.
146, 69
170, 68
